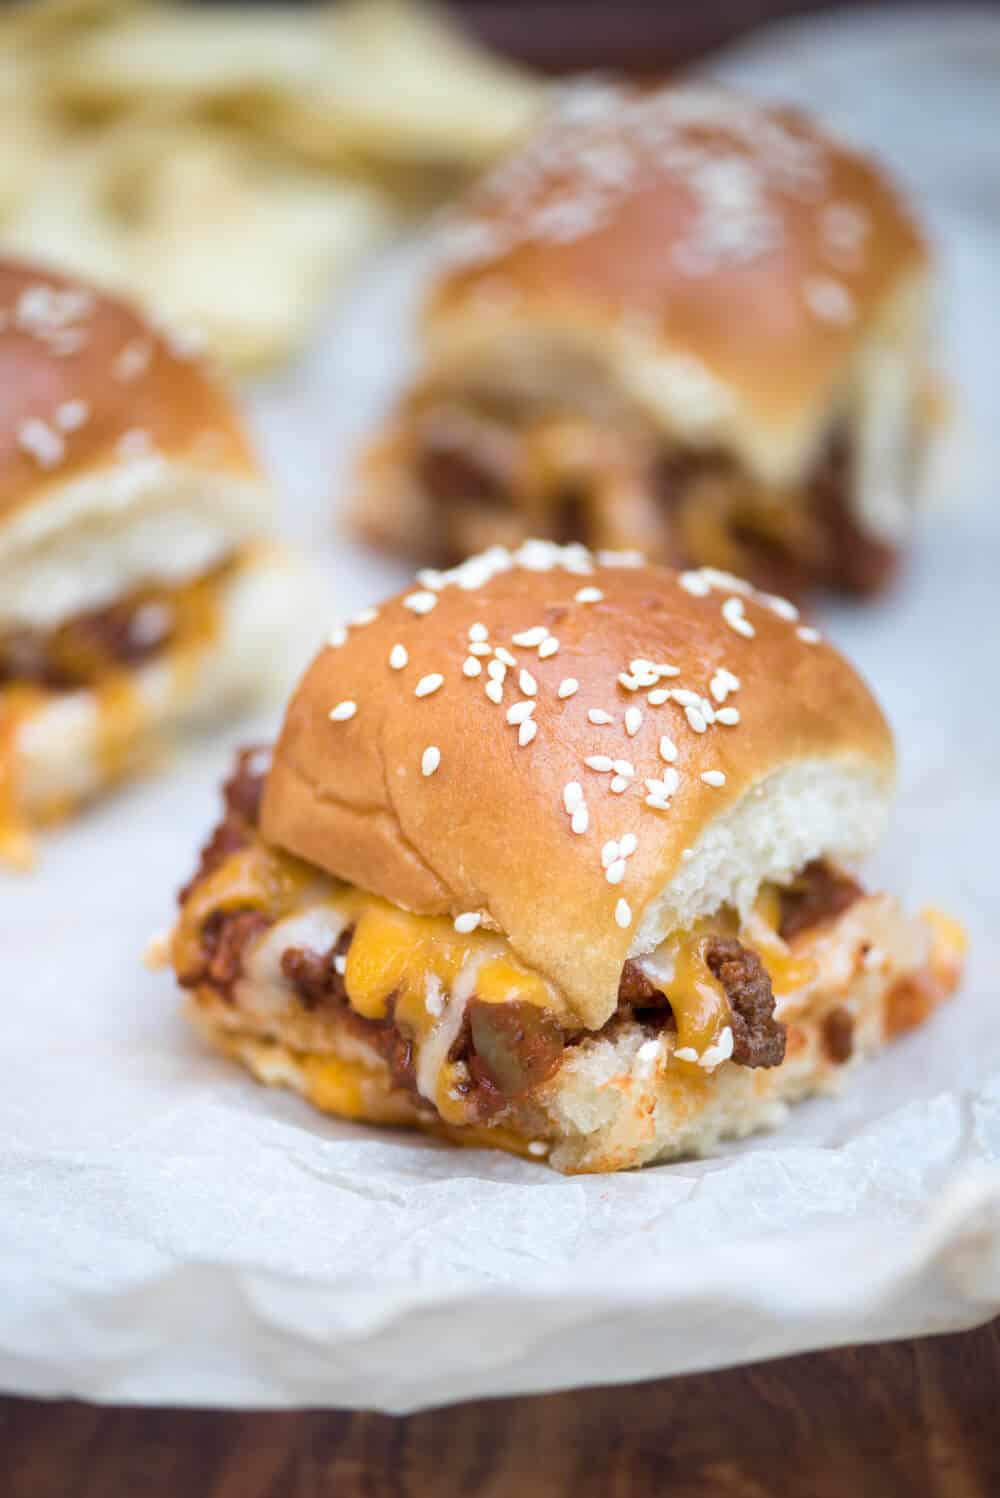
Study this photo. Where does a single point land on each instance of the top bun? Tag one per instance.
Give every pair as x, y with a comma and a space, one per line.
399, 769
717, 260
108, 422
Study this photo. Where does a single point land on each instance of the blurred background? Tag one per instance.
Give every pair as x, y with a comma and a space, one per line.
160, 147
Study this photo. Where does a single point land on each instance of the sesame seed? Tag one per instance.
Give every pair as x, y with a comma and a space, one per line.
733, 611
71, 415
132, 361
696, 720
340, 964
478, 648
633, 721
628, 845
527, 732
695, 584
41, 442
722, 683
531, 637
668, 750
620, 784
686, 1053
428, 684
828, 300
728, 715
504, 655
599, 762
134, 444
580, 819
783, 607
628, 682
478, 632
713, 777
537, 1147
658, 697
430, 759
527, 683
664, 668
343, 711
657, 803
497, 670
623, 914
420, 603
548, 648
430, 577
367, 616
471, 667
398, 657
615, 872
684, 698
572, 795
519, 712
624, 767
494, 691
568, 686
610, 853
337, 637
808, 635
686, 855
467, 922
599, 717
588, 595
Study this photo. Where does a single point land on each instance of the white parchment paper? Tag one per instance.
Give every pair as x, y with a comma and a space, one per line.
169, 1232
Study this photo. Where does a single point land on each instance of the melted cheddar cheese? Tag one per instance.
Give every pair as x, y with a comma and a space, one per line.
417, 972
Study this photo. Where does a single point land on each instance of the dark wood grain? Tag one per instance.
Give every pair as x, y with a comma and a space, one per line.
904, 1420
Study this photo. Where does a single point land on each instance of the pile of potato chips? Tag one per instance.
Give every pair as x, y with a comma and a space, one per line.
228, 167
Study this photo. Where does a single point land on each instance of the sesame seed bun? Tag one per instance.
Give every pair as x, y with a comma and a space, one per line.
679, 320
398, 771
123, 459
713, 260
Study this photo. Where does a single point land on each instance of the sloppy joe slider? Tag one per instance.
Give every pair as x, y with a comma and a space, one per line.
558, 854
679, 320
136, 588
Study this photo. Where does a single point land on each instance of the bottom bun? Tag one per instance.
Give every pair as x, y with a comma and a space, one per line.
617, 1101
70, 746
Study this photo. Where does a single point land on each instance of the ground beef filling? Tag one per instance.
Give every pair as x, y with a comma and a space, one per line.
820, 893
824, 544
507, 1049
758, 1038
85, 649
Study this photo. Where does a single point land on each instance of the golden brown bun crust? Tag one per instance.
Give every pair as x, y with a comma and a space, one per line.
717, 224
61, 344
488, 830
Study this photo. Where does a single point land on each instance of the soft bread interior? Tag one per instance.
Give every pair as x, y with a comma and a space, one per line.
87, 542
807, 810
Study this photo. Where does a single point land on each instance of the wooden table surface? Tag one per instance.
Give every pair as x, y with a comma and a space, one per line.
902, 1420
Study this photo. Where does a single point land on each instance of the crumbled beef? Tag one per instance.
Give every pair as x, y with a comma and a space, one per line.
855, 560
838, 1035
637, 991
758, 1038
76, 653
314, 974
819, 893
241, 795
452, 474
225, 937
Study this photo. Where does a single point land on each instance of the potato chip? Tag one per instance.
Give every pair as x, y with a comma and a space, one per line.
400, 85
